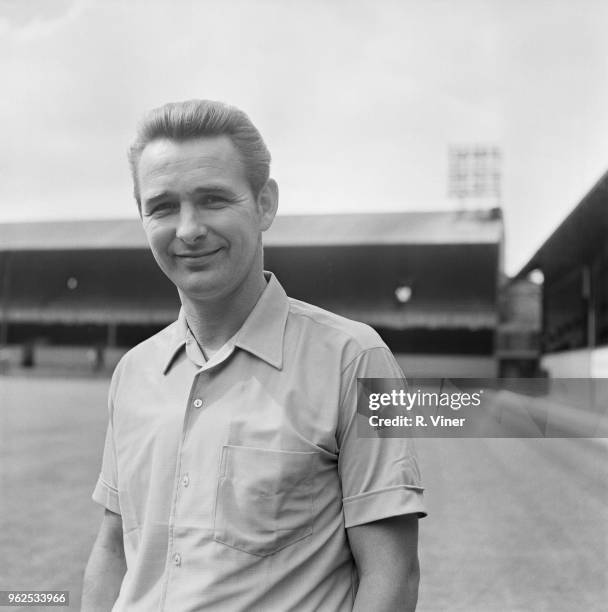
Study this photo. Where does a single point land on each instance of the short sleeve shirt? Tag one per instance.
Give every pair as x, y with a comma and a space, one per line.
237, 479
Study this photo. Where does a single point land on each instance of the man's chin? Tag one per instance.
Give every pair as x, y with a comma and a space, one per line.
204, 286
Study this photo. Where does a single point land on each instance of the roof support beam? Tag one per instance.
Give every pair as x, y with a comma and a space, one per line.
5, 296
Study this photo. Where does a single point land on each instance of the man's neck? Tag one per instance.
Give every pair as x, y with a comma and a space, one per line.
214, 322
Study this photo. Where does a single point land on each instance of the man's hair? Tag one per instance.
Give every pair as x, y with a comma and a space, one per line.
192, 119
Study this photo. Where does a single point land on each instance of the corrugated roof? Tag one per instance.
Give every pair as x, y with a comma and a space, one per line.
435, 227
583, 231
72, 235
453, 227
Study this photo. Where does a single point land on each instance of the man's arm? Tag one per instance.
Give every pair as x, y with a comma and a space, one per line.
106, 567
386, 555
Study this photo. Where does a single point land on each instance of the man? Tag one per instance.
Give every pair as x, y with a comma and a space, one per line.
233, 477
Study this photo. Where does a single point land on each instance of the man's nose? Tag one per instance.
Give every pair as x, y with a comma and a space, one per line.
191, 225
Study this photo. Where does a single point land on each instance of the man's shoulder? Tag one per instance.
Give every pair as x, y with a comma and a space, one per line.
153, 352
335, 329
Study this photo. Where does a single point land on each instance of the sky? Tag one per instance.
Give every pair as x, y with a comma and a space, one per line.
358, 100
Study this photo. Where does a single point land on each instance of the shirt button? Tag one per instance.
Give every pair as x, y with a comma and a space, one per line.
186, 480
177, 559
198, 402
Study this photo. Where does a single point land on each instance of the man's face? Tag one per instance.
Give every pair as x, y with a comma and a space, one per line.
202, 221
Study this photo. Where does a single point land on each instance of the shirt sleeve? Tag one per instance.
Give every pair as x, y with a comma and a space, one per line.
380, 476
106, 489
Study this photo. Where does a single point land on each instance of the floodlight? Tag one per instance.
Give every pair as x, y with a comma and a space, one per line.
403, 293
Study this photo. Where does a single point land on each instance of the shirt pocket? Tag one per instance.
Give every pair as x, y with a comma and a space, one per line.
264, 499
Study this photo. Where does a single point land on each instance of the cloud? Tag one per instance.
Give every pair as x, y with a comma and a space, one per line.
28, 21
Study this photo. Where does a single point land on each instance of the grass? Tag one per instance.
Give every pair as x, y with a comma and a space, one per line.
51, 440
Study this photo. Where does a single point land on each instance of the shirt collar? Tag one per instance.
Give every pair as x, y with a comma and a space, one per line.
261, 334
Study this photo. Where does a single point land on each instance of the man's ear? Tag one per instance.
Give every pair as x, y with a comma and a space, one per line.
268, 202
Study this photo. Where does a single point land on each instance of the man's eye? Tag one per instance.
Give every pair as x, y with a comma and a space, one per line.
214, 200
162, 208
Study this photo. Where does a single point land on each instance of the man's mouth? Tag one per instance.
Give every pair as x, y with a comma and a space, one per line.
195, 257
197, 254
